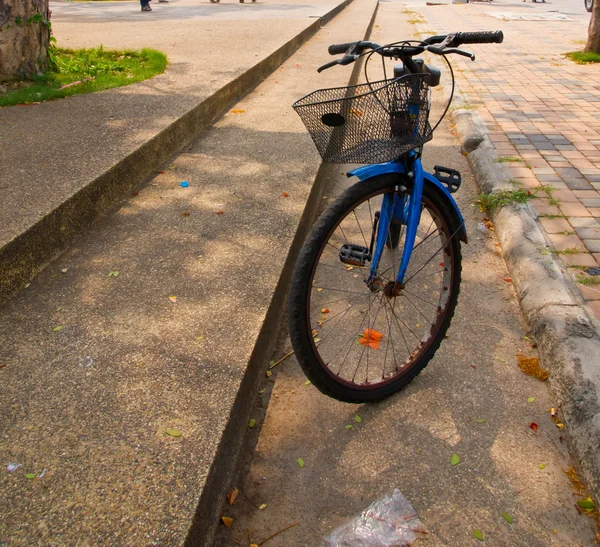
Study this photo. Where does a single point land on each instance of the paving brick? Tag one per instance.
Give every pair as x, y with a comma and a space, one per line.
565, 195
589, 292
540, 210
579, 259
562, 242
584, 222
592, 245
595, 305
594, 211
574, 210
556, 225
588, 233
591, 203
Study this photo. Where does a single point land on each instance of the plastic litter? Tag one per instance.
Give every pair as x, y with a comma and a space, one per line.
42, 474
388, 522
481, 227
12, 467
184, 184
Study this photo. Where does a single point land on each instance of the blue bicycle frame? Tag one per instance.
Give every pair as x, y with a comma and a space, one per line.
405, 210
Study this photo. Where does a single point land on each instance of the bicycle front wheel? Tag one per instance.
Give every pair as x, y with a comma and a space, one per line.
355, 340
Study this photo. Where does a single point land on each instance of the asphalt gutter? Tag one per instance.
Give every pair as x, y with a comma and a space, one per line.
566, 330
23, 257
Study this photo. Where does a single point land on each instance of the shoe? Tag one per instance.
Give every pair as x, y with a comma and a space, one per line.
146, 8
163, 1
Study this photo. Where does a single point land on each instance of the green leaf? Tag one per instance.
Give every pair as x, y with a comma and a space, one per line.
507, 518
531, 399
357, 418
481, 420
174, 432
542, 465
252, 422
114, 273
478, 534
349, 426
587, 504
307, 383
455, 459
271, 363
56, 329
30, 476
300, 462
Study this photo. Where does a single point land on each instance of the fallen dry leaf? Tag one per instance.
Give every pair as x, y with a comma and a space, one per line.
325, 310
185, 214
533, 426
238, 111
219, 212
173, 298
232, 495
507, 279
531, 367
227, 521
285, 195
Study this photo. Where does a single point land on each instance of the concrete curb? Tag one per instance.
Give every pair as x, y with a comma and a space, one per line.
567, 333
23, 257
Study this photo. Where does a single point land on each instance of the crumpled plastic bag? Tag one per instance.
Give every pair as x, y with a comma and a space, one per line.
388, 522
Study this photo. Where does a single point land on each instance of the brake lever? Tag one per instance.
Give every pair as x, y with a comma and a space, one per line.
328, 65
438, 50
345, 60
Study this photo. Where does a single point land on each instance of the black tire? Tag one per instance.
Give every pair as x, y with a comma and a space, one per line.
305, 276
589, 5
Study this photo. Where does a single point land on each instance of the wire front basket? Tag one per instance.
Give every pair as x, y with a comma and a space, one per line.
368, 123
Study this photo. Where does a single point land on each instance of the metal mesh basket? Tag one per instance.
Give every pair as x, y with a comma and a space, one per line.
368, 123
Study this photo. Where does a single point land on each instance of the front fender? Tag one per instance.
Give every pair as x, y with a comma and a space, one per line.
369, 171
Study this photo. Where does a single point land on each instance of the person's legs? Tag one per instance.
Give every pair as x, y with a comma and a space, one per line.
145, 5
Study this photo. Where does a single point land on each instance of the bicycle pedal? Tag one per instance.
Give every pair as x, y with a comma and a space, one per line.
450, 178
354, 255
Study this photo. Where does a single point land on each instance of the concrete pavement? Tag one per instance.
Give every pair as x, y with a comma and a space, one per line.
67, 163
132, 362
472, 400
534, 119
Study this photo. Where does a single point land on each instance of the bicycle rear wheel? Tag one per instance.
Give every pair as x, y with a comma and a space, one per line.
352, 341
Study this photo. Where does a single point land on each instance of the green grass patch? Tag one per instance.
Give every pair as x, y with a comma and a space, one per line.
547, 189
86, 71
496, 200
569, 251
551, 216
582, 58
585, 280
509, 159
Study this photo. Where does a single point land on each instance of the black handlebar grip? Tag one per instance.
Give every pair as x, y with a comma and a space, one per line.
483, 37
336, 49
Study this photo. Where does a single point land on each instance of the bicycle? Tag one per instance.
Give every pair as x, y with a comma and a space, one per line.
376, 283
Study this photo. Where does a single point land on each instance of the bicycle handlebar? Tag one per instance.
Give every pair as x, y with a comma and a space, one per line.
482, 37
448, 43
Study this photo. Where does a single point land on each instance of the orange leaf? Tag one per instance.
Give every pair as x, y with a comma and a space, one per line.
533, 426
507, 279
371, 338
325, 310
238, 111
219, 212
285, 195
227, 521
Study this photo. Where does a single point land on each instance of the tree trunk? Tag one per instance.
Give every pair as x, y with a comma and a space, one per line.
593, 43
24, 36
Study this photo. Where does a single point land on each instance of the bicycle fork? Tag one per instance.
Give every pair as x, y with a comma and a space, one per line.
405, 210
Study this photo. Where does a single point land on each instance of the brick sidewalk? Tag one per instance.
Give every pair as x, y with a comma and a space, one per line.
543, 117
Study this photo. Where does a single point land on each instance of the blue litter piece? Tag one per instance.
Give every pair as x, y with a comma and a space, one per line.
184, 184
